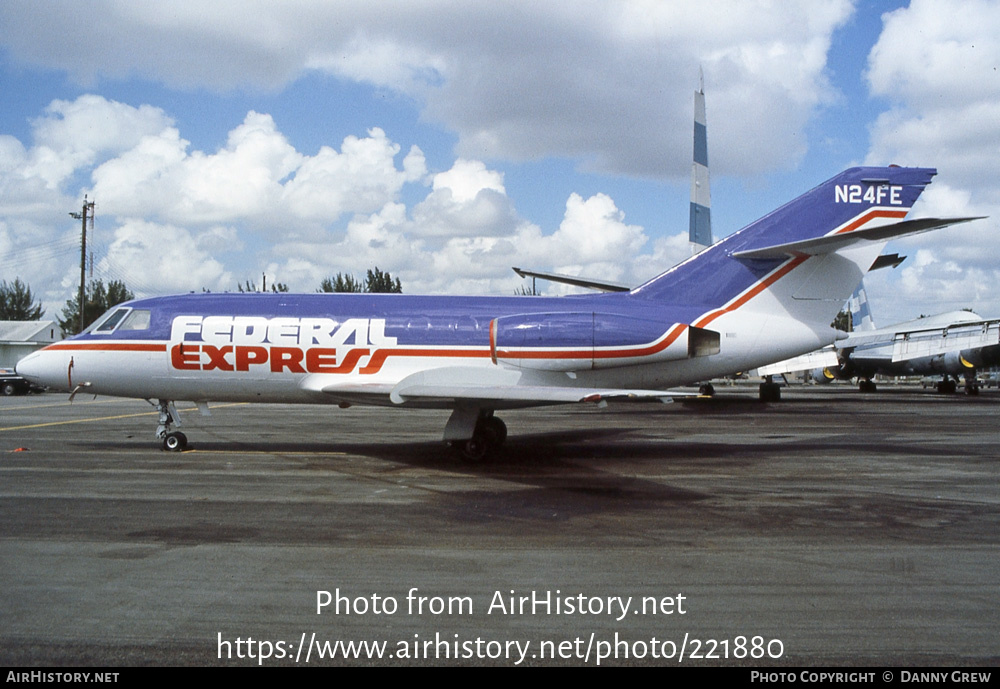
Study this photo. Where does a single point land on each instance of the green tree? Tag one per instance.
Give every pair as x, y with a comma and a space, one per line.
376, 281
379, 282
842, 321
340, 283
98, 299
251, 286
17, 302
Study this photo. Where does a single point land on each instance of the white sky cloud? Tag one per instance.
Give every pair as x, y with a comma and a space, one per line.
517, 81
74, 134
361, 178
146, 255
183, 219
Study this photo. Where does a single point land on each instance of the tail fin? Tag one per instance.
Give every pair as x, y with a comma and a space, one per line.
700, 222
840, 213
779, 282
861, 315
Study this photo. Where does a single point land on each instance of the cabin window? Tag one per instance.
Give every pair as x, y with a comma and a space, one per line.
137, 320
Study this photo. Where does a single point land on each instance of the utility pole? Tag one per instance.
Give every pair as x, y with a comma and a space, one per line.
87, 211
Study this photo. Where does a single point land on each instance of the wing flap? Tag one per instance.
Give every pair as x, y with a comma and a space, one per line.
918, 344
821, 358
528, 394
506, 386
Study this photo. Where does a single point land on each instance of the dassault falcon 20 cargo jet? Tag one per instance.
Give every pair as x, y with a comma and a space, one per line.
765, 293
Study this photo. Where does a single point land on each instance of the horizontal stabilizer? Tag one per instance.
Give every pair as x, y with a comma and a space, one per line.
835, 242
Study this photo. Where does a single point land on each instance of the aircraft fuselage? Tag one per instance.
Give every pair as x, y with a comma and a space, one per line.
304, 347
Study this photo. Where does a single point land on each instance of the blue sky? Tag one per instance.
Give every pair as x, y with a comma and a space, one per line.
447, 141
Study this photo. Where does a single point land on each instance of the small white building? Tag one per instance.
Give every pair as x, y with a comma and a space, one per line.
18, 339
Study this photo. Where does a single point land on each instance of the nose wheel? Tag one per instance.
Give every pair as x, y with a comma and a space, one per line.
173, 440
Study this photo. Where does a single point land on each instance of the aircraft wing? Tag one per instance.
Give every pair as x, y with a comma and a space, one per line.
448, 385
528, 394
821, 358
835, 242
916, 344
504, 385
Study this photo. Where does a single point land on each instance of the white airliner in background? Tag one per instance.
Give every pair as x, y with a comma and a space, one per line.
953, 345
765, 293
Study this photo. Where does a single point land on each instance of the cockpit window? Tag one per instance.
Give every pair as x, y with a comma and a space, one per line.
109, 323
137, 320
120, 319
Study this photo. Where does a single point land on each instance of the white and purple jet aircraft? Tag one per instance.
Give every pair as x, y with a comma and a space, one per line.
765, 293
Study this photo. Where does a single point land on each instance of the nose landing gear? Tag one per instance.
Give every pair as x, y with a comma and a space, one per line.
173, 441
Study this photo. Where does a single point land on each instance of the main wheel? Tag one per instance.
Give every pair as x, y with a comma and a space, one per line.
475, 448
947, 387
175, 442
495, 430
769, 392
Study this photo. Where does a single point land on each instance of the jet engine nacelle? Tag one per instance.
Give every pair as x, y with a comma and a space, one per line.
578, 341
981, 357
824, 375
953, 363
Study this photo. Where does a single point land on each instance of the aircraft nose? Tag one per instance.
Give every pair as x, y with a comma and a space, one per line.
28, 367
42, 368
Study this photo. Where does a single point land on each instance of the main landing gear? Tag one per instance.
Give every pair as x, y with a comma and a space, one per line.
769, 391
971, 383
867, 385
483, 433
173, 441
946, 386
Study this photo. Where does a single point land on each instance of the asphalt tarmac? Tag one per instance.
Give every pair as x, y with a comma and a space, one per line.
831, 528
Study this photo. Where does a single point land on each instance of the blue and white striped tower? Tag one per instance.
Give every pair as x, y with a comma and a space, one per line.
700, 222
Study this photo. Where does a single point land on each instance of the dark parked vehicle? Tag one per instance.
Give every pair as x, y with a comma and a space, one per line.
13, 384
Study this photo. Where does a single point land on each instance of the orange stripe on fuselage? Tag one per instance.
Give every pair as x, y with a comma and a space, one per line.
753, 291
106, 347
378, 358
